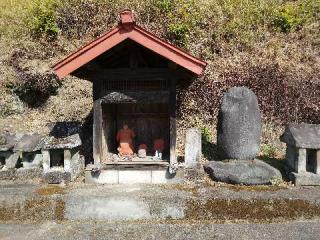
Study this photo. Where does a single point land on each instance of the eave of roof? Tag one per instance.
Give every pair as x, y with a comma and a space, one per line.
118, 35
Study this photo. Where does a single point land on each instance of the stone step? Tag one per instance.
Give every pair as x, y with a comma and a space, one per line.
132, 175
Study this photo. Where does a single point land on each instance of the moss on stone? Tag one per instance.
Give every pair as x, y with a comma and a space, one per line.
256, 210
50, 190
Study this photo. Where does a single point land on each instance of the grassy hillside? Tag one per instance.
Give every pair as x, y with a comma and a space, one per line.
271, 46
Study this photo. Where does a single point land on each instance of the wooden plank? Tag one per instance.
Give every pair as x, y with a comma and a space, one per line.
173, 128
97, 131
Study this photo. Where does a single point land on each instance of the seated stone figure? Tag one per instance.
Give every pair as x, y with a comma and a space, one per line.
142, 151
125, 138
158, 147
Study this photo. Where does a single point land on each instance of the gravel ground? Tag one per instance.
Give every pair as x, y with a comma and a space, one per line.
83, 211
186, 231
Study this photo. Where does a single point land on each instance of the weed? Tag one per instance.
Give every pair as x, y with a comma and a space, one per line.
277, 181
287, 19
165, 6
269, 150
178, 34
42, 18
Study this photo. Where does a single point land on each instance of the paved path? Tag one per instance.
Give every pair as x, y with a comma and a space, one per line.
81, 211
106, 230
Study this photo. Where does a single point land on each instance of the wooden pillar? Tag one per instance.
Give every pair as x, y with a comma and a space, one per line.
173, 127
97, 131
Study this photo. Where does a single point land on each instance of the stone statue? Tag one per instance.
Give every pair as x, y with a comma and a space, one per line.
158, 147
125, 138
142, 151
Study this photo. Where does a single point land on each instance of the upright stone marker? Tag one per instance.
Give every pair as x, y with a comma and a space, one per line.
192, 147
239, 124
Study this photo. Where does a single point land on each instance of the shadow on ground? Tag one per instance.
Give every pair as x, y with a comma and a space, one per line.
209, 150
278, 163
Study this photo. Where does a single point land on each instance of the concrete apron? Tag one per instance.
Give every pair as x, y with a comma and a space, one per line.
116, 208
151, 202
122, 203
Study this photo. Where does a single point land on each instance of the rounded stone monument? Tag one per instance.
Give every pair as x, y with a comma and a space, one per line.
239, 124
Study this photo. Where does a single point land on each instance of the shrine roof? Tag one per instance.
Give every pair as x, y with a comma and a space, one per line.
128, 29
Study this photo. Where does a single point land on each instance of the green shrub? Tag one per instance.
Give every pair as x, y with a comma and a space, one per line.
178, 34
209, 149
288, 19
164, 6
42, 18
205, 134
269, 150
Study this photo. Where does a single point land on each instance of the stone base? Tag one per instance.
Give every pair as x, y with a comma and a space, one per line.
246, 172
56, 176
305, 179
21, 174
8, 174
29, 173
131, 176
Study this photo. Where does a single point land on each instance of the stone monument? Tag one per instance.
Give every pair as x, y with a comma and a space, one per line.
239, 124
238, 140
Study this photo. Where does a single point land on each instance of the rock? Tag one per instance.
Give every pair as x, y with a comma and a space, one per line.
239, 124
192, 148
302, 135
247, 172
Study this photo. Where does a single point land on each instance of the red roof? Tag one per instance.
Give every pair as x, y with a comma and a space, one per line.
127, 29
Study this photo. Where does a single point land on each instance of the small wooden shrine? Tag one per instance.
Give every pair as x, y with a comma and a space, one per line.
135, 76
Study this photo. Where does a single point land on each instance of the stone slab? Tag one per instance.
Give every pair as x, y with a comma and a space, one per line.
12, 160
20, 174
68, 142
28, 143
305, 179
103, 176
115, 176
54, 176
29, 173
8, 141
135, 176
302, 135
192, 149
